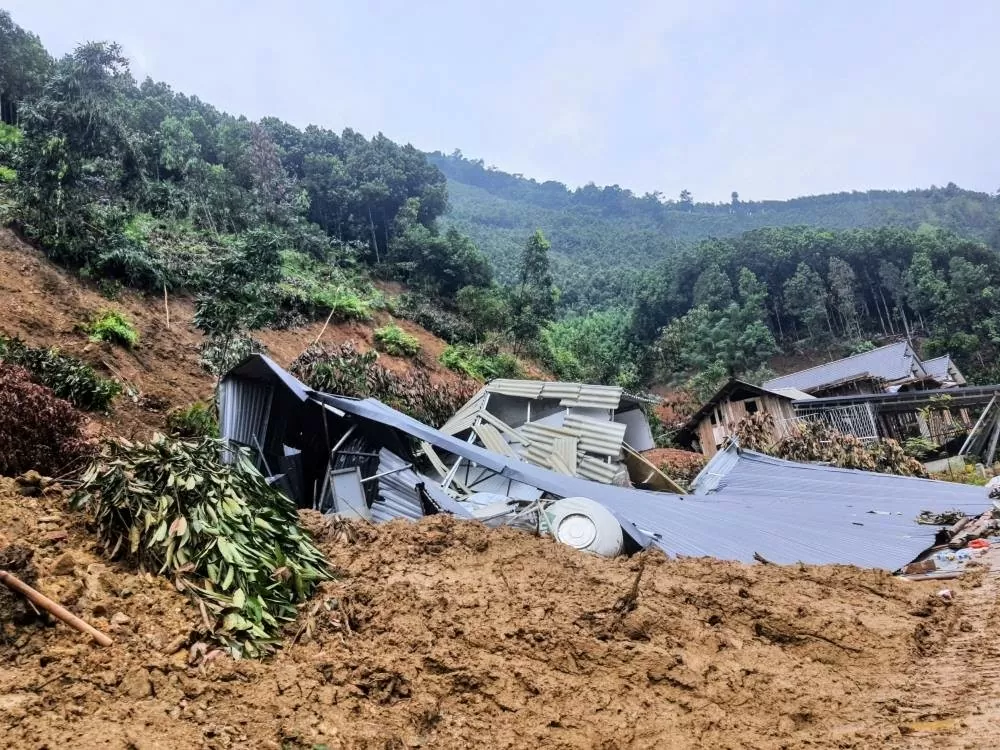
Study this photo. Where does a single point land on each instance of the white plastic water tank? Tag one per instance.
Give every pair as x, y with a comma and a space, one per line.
585, 525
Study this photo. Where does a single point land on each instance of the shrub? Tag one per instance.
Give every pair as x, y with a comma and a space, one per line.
443, 323
681, 466
394, 340
196, 421
472, 361
113, 327
38, 430
223, 535
313, 288
66, 376
345, 371
221, 353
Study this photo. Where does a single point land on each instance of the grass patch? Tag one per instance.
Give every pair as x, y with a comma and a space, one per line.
394, 340
113, 327
475, 363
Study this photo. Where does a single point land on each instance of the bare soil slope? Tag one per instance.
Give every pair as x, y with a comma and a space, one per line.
446, 634
44, 305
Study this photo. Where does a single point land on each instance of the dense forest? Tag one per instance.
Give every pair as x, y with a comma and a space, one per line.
611, 231
265, 224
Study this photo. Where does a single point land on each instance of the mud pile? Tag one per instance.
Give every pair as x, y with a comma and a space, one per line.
446, 634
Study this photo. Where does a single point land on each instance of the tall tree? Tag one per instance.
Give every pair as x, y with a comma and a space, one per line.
843, 282
534, 300
805, 298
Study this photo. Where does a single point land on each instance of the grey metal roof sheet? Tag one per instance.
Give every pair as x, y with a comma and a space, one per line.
737, 470
891, 362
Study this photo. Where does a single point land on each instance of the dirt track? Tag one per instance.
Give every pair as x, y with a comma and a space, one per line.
956, 702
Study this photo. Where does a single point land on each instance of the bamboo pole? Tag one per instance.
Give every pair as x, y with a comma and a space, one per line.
56, 610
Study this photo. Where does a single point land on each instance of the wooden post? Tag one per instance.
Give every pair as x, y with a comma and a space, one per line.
56, 610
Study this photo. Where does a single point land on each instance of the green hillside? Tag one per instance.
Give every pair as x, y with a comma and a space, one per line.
610, 228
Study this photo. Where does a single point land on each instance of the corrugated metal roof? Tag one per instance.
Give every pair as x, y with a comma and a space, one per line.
595, 397
521, 388
397, 493
786, 512
596, 471
893, 362
793, 393
944, 370
568, 394
599, 438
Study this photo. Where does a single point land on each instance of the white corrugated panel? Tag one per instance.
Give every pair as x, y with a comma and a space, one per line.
598, 471
596, 397
460, 420
523, 388
561, 390
492, 439
505, 428
556, 463
538, 454
564, 449
459, 424
544, 435
601, 438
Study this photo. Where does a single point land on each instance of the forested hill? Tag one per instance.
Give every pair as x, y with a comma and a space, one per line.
612, 228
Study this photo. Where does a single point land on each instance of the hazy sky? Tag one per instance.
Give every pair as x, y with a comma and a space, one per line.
773, 99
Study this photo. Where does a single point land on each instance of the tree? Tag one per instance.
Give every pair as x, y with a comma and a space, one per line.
24, 66
842, 281
805, 298
713, 289
534, 300
734, 200
686, 200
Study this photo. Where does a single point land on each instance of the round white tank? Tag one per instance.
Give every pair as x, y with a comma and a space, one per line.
585, 525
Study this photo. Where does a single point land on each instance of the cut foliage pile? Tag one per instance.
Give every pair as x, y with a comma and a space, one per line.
219, 531
345, 371
38, 430
68, 377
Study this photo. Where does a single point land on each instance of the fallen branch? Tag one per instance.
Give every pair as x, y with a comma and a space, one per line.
56, 610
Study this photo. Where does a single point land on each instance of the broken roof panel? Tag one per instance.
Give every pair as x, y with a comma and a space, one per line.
735, 471
890, 363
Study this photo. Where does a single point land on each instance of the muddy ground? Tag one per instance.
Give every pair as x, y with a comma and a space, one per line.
447, 634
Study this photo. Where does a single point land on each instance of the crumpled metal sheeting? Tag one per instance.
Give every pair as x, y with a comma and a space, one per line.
783, 531
397, 493
737, 471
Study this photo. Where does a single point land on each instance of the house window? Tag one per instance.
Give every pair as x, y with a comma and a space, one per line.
751, 406
714, 420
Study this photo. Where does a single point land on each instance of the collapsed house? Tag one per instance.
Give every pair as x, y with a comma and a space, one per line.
360, 458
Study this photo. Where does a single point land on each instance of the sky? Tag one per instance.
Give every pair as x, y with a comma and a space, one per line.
769, 98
